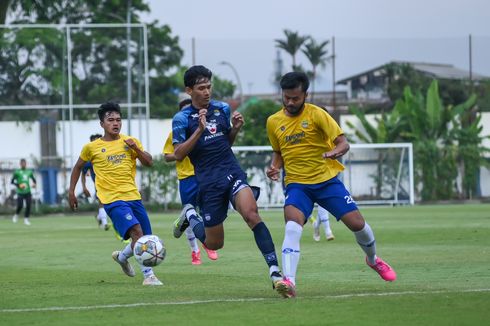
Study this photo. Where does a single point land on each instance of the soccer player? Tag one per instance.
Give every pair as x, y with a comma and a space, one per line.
101, 216
203, 132
22, 180
188, 192
322, 218
307, 142
114, 160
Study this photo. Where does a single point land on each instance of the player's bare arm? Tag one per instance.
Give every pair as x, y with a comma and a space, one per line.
145, 158
274, 170
341, 147
237, 123
183, 149
75, 175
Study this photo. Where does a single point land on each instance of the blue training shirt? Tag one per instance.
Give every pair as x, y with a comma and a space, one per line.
212, 156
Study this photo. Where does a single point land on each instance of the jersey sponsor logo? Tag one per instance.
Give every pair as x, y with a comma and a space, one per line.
213, 136
116, 158
195, 116
294, 138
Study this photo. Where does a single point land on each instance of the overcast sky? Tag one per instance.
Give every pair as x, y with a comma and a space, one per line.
367, 33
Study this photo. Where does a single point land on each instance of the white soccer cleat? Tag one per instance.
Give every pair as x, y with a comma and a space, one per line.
26, 222
330, 236
152, 280
15, 218
126, 266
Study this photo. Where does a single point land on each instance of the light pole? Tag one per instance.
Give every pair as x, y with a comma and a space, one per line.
239, 83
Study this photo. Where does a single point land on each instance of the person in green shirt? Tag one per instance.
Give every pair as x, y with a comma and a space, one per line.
21, 180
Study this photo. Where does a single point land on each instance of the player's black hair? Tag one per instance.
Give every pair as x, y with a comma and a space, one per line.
23, 160
95, 136
184, 103
108, 107
196, 74
295, 79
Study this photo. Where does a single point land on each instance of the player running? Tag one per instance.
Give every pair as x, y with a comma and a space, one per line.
114, 160
203, 132
307, 142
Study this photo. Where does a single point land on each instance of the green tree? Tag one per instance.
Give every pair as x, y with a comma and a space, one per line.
222, 88
443, 142
317, 55
99, 56
291, 44
255, 113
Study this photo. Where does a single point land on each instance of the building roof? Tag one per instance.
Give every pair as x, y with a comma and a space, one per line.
435, 70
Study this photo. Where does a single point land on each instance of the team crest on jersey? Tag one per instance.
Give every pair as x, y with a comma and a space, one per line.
207, 217
216, 112
282, 128
304, 124
128, 217
103, 150
126, 148
211, 126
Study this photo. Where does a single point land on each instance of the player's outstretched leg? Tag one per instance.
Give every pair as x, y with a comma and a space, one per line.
290, 259
149, 277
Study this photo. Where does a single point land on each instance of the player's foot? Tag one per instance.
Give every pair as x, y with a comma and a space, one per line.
126, 266
286, 288
27, 222
316, 234
152, 280
383, 269
196, 258
182, 223
275, 277
15, 218
330, 236
212, 254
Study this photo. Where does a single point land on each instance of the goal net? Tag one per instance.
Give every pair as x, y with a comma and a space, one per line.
375, 174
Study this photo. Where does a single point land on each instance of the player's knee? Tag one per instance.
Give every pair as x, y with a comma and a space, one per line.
252, 218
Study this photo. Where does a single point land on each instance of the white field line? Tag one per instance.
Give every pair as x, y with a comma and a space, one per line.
175, 303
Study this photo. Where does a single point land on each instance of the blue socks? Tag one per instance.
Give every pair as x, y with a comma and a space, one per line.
266, 245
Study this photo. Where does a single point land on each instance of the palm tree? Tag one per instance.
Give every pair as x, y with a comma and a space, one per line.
317, 55
291, 44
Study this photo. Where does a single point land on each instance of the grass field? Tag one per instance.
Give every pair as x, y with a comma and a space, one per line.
59, 271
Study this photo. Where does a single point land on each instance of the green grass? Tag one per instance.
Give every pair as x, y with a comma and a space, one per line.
59, 271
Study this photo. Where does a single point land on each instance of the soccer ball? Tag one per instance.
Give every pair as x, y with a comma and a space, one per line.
149, 250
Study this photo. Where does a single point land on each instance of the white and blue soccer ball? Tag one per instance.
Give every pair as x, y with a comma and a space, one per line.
149, 250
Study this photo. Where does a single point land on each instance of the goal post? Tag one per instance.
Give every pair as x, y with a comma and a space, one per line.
375, 174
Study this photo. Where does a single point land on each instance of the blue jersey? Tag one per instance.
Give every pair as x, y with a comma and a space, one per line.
89, 167
212, 156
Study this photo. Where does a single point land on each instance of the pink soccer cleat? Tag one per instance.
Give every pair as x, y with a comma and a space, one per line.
212, 254
196, 258
383, 269
286, 288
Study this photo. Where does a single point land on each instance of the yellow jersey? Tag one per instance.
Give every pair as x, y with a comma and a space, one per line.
115, 168
302, 140
184, 168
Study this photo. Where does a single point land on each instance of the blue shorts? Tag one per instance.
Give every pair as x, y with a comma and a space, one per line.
125, 214
331, 195
188, 190
214, 197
